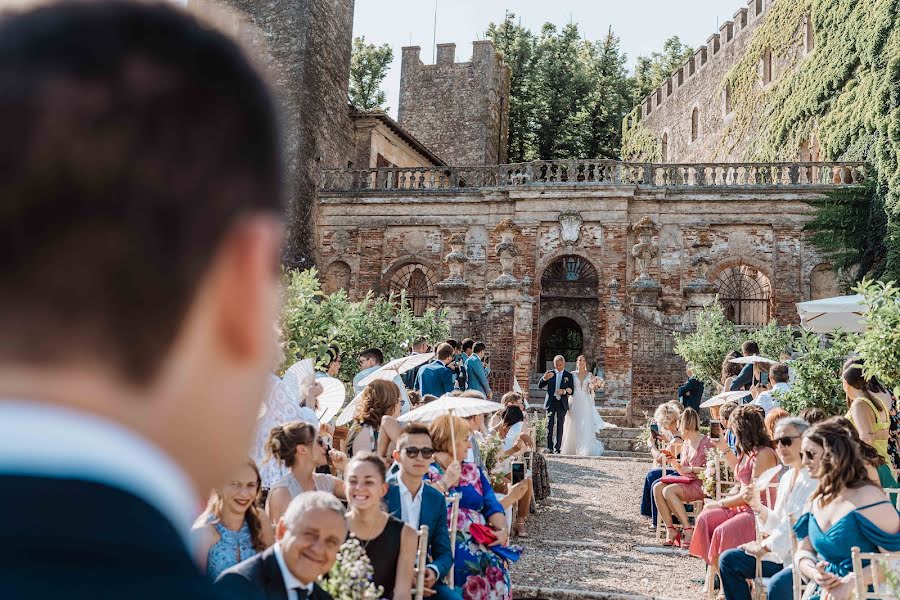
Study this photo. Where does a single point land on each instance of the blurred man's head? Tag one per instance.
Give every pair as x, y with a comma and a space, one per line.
141, 177
310, 534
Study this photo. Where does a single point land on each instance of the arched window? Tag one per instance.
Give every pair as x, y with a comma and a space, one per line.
745, 294
695, 124
419, 283
664, 151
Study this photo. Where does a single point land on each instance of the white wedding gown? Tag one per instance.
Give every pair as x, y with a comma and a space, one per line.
582, 422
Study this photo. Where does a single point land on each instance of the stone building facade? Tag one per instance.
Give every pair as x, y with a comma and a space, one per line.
458, 110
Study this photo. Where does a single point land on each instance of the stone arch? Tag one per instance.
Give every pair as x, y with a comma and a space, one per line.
745, 291
418, 277
336, 276
587, 334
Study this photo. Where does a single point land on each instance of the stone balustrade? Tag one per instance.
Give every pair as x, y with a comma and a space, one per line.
593, 172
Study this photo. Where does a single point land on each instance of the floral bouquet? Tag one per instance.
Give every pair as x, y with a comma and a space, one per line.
708, 476
350, 578
645, 438
539, 422
491, 448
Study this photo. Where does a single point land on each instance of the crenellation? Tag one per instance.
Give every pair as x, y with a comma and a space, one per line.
726, 32
713, 43
740, 19
446, 54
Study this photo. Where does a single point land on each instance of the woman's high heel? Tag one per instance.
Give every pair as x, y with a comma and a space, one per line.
686, 540
676, 541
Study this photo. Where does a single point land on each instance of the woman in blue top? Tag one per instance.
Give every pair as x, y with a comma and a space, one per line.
847, 509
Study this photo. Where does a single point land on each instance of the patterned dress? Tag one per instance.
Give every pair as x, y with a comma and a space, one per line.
233, 547
481, 574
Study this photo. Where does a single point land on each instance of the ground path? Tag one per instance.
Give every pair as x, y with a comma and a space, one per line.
589, 536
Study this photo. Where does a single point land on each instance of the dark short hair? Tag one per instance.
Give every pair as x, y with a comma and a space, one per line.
467, 343
412, 429
453, 343
374, 354
813, 415
750, 348
779, 373
134, 139
444, 351
511, 415
479, 347
333, 353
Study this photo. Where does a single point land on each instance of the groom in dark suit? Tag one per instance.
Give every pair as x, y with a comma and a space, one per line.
559, 384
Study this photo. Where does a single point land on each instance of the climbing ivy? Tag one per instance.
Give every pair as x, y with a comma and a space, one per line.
638, 142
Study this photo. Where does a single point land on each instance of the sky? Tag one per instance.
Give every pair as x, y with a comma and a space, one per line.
642, 25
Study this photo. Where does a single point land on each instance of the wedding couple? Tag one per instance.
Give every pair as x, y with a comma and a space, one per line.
573, 420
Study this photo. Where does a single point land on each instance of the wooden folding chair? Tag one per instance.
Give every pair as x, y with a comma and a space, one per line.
884, 567
418, 592
801, 591
760, 583
725, 484
454, 514
893, 495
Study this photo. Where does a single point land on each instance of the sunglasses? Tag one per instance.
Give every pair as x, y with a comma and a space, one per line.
787, 440
807, 455
413, 452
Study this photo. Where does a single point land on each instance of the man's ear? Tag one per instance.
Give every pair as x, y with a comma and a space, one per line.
280, 529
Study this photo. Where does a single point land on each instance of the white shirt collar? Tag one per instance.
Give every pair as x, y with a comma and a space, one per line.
291, 583
404, 491
781, 387
91, 448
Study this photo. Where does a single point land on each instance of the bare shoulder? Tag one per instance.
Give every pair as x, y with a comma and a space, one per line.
409, 534
883, 514
205, 537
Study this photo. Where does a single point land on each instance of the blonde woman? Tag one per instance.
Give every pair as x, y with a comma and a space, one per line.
664, 436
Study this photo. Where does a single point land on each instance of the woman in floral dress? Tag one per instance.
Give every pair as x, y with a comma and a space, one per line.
479, 572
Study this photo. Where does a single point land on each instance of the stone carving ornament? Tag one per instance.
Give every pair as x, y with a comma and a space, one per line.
570, 226
645, 250
456, 260
506, 250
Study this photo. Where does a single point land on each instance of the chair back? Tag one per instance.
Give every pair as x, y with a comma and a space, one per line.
723, 482
454, 514
893, 495
418, 592
884, 568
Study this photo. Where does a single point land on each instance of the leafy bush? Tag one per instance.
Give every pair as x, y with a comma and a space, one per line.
773, 340
311, 320
817, 372
880, 344
705, 348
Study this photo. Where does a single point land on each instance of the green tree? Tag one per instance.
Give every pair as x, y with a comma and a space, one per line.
880, 344
651, 71
368, 68
705, 348
817, 373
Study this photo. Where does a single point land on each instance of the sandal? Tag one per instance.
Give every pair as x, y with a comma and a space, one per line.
676, 541
519, 528
686, 541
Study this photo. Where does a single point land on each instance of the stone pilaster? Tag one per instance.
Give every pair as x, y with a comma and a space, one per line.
454, 289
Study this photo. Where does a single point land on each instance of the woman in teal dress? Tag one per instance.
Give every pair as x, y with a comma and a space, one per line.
847, 509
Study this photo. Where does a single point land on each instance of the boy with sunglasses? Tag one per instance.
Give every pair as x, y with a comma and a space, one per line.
415, 503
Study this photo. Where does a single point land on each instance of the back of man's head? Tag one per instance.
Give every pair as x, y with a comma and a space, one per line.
373, 354
467, 344
420, 345
779, 373
750, 348
479, 347
133, 140
444, 351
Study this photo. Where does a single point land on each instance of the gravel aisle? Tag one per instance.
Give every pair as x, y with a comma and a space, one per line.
598, 501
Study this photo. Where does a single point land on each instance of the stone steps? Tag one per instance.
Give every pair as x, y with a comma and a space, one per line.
622, 439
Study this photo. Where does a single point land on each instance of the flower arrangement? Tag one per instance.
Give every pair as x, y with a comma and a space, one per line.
539, 423
708, 476
490, 447
645, 439
350, 578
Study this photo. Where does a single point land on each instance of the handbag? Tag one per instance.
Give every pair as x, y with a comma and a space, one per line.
485, 535
677, 479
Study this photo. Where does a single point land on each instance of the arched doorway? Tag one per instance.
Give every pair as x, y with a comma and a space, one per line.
560, 336
418, 281
745, 294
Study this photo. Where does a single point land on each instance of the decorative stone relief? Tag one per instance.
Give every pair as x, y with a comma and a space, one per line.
476, 242
454, 288
645, 290
414, 242
336, 277
340, 241
505, 287
613, 286
570, 226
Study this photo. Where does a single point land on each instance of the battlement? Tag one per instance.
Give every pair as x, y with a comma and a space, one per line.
459, 110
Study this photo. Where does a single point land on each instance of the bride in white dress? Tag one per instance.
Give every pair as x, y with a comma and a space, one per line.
583, 421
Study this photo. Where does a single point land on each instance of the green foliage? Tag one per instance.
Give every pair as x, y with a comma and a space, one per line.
817, 372
773, 340
706, 347
880, 344
311, 320
639, 143
368, 68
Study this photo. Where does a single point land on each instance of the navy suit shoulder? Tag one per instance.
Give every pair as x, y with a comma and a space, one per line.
99, 543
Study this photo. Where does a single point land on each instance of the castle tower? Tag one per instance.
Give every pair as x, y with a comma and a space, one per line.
460, 111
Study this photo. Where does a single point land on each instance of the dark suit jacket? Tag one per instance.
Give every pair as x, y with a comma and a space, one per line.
434, 515
260, 578
79, 540
691, 393
552, 403
435, 378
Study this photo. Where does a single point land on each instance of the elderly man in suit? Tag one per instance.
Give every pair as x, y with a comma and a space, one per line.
416, 504
436, 378
308, 539
141, 183
559, 384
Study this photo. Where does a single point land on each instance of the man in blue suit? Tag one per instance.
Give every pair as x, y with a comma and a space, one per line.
436, 378
559, 384
142, 199
477, 376
416, 504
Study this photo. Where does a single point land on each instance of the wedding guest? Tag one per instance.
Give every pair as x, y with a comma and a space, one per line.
847, 510
298, 447
813, 415
463, 379
669, 439
727, 443
690, 393
457, 365
671, 497
415, 399
771, 419
730, 370
140, 242
728, 523
475, 373
878, 470
508, 399
380, 399
232, 528
389, 543
477, 570
477, 435
796, 486
419, 346
870, 408
514, 443
748, 377
369, 361
436, 377
410, 500
308, 539
778, 382
332, 363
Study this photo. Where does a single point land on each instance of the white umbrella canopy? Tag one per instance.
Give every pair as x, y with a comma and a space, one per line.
388, 371
829, 314
747, 360
720, 399
461, 407
298, 374
349, 411
331, 399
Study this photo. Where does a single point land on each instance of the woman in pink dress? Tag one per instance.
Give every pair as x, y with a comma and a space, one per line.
727, 523
670, 497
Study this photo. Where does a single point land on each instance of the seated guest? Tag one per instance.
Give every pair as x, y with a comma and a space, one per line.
690, 393
729, 372
878, 470
481, 573
300, 450
308, 539
771, 419
870, 407
380, 399
670, 497
847, 509
515, 442
415, 399
778, 382
475, 371
749, 375
727, 442
332, 363
796, 486
436, 378
417, 504
668, 438
389, 543
232, 528
728, 523
508, 399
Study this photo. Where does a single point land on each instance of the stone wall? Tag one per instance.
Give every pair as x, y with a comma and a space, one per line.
458, 110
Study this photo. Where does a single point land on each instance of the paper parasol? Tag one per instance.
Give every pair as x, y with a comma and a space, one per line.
516, 387
396, 367
348, 413
459, 406
724, 397
745, 360
299, 373
329, 402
